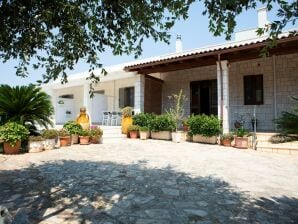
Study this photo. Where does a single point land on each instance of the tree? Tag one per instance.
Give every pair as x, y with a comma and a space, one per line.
57, 33
26, 105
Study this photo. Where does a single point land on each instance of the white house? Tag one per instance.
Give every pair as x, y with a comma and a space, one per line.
227, 80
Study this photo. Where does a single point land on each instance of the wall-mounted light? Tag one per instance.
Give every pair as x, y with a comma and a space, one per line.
60, 102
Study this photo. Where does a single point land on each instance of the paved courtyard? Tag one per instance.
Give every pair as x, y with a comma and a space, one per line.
146, 182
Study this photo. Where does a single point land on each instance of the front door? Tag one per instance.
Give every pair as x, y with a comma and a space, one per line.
203, 97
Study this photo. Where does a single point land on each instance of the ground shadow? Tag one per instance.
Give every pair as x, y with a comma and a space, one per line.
69, 191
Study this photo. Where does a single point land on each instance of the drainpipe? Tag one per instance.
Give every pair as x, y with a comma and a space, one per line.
221, 89
274, 88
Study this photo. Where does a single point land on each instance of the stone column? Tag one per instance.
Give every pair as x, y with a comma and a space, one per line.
223, 102
139, 93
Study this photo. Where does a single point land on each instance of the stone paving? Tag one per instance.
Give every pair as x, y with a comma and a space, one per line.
146, 182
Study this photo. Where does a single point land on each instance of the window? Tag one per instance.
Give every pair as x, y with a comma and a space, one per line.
126, 97
253, 90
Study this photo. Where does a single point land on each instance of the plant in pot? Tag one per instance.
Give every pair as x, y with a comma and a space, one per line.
176, 111
64, 137
12, 135
84, 137
226, 139
35, 144
133, 131
162, 126
204, 129
126, 119
96, 135
143, 120
241, 139
74, 129
49, 136
143, 133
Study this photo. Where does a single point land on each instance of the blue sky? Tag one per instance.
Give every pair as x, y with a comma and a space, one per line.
194, 33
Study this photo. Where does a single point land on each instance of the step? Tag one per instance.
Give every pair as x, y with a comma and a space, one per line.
290, 148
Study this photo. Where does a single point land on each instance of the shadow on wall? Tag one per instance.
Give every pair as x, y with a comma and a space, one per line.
99, 192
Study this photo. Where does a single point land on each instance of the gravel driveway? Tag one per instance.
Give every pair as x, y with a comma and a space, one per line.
146, 182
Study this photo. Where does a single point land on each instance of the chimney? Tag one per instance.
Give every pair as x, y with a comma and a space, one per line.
178, 44
262, 17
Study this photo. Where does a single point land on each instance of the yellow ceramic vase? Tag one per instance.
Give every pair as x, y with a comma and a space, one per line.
125, 123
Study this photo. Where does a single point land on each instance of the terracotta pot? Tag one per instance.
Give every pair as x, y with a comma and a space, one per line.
241, 142
125, 123
64, 141
162, 135
69, 140
226, 142
9, 149
84, 140
96, 139
74, 139
133, 134
49, 144
143, 135
204, 139
35, 146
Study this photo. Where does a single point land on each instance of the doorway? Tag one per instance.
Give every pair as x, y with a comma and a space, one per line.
203, 97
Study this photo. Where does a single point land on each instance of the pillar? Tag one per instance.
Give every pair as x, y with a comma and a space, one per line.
139, 93
223, 102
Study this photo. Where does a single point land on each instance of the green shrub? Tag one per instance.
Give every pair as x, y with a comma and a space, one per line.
163, 122
63, 133
13, 132
204, 125
133, 128
280, 138
33, 138
288, 122
144, 129
228, 136
143, 119
127, 112
49, 134
241, 132
73, 127
95, 131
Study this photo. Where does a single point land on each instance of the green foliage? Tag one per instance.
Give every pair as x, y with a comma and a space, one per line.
143, 129
12, 132
241, 132
133, 128
49, 133
33, 138
56, 34
85, 133
204, 125
228, 136
63, 133
280, 138
95, 131
143, 119
177, 109
288, 122
26, 105
127, 112
163, 122
73, 127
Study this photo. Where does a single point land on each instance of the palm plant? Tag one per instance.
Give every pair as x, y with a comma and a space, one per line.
26, 105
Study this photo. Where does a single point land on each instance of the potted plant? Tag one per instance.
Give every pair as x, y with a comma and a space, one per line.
185, 125
176, 111
241, 139
226, 139
49, 136
133, 131
12, 135
143, 133
64, 137
126, 119
35, 144
96, 135
74, 129
204, 129
162, 126
84, 137
143, 120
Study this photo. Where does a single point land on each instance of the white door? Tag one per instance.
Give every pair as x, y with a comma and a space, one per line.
64, 110
99, 104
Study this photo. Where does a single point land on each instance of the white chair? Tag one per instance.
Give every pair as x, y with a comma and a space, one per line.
105, 118
114, 118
